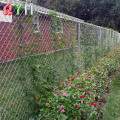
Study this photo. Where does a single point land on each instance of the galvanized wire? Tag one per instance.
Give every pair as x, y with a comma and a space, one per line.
71, 47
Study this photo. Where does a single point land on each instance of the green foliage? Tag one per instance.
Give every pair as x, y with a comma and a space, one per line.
39, 72
80, 96
103, 12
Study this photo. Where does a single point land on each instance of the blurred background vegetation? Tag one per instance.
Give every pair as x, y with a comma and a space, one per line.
100, 12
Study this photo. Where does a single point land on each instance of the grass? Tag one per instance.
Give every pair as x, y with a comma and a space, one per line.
112, 111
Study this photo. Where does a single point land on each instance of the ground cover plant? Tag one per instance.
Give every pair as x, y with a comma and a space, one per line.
80, 96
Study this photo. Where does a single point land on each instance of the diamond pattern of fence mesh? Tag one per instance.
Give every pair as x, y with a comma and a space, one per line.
37, 51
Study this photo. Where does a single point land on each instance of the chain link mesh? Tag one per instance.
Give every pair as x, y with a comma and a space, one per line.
57, 48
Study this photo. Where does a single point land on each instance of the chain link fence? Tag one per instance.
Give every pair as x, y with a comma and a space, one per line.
41, 50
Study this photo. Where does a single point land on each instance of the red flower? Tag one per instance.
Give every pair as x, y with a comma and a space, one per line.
94, 104
90, 103
97, 107
78, 106
62, 83
78, 73
73, 78
100, 103
85, 96
81, 96
93, 98
87, 92
51, 87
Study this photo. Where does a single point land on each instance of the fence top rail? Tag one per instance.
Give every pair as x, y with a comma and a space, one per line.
43, 10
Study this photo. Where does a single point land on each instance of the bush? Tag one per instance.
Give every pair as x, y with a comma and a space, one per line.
79, 96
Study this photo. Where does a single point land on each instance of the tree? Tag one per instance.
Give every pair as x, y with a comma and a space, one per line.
100, 12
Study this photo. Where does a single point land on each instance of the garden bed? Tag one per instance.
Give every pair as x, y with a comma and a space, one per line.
81, 96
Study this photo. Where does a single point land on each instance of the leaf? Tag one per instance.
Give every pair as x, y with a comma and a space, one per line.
37, 66
62, 117
15, 39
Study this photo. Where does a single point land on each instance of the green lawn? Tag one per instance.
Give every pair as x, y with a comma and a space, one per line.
112, 111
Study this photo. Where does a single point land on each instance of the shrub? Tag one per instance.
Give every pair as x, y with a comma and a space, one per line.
79, 96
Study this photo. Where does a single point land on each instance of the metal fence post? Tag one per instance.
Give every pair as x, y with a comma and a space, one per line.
99, 39
78, 38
